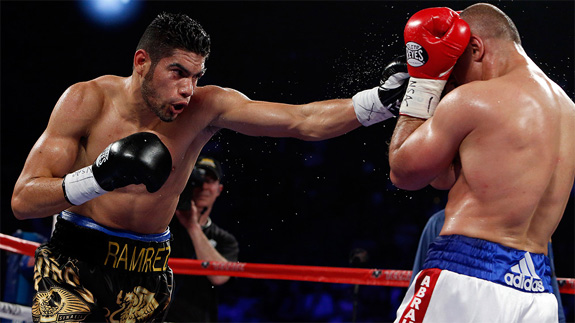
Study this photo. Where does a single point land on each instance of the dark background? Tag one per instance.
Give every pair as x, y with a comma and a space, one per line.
287, 201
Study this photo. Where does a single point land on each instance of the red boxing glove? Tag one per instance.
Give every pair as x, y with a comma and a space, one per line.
434, 40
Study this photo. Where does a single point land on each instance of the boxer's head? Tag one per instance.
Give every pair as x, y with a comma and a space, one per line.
492, 31
168, 32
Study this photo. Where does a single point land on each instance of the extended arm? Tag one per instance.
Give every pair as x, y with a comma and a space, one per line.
317, 120
313, 121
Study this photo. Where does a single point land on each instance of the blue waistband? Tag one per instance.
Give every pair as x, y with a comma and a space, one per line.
491, 261
91, 224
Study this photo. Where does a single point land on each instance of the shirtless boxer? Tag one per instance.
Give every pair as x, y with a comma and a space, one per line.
107, 259
502, 142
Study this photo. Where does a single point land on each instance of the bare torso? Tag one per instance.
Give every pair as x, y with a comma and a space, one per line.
132, 207
517, 165
91, 115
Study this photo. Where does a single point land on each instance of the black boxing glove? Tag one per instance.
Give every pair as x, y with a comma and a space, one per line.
383, 102
140, 158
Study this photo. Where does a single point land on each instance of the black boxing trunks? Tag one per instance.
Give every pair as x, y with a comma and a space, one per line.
90, 273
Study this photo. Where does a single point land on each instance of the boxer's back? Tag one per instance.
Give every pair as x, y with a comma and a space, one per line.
518, 163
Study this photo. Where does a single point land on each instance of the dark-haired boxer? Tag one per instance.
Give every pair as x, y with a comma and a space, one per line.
123, 224
502, 142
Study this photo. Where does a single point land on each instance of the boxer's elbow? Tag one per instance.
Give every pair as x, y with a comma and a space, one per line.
406, 172
20, 208
399, 181
398, 173
406, 180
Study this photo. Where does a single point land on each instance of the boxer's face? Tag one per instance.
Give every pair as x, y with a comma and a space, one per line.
170, 83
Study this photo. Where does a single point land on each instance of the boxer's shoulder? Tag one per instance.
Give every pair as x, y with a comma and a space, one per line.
92, 92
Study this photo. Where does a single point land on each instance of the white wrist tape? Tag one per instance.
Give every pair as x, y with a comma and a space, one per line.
81, 186
368, 108
422, 97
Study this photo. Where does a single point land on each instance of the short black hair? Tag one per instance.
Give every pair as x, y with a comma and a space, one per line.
170, 31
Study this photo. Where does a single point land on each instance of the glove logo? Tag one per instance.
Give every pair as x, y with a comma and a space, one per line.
416, 54
103, 156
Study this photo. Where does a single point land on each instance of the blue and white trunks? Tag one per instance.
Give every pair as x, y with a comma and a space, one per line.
473, 280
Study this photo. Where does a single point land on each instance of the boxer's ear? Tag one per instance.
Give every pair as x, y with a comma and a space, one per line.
142, 62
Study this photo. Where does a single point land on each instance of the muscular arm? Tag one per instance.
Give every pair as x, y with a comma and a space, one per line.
421, 152
38, 191
406, 171
313, 121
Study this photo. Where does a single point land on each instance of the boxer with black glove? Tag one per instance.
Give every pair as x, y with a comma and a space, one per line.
140, 158
382, 102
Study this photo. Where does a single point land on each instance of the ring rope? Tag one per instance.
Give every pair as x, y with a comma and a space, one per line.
395, 278
358, 276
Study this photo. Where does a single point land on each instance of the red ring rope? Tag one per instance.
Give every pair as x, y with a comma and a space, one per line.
394, 278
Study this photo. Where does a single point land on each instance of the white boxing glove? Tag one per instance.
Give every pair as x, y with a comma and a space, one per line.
382, 102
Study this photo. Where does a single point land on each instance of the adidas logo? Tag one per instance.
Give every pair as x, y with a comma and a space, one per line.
524, 276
